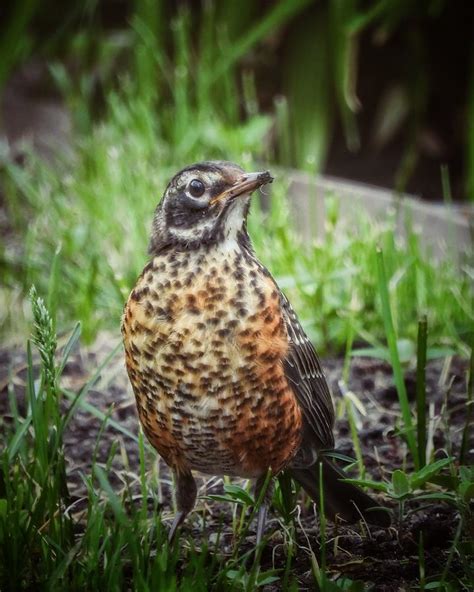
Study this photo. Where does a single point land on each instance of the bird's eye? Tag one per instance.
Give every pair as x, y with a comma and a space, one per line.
196, 188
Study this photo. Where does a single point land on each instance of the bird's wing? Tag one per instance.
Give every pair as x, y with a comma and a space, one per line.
304, 373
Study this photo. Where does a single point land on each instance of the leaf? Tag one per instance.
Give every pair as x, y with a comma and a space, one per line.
18, 438
267, 577
76, 333
428, 472
449, 497
112, 497
466, 473
232, 574
467, 491
340, 456
447, 481
237, 492
227, 499
400, 483
377, 485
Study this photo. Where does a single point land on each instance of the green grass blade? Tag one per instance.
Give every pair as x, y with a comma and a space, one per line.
279, 14
421, 390
99, 414
77, 398
16, 441
71, 342
53, 287
422, 476
469, 408
395, 359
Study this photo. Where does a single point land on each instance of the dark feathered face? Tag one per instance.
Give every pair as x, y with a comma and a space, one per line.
204, 204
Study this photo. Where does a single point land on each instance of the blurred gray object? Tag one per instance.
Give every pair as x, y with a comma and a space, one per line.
443, 228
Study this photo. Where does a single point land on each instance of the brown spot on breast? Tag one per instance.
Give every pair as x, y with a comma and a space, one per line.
186, 344
275, 432
158, 431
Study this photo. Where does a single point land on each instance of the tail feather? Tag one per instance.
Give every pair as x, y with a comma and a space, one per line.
342, 499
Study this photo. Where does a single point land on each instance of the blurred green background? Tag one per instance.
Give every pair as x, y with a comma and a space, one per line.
380, 91
117, 96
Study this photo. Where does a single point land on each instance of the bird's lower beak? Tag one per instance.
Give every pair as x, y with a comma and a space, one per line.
245, 185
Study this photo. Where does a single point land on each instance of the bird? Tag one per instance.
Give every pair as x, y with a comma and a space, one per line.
226, 380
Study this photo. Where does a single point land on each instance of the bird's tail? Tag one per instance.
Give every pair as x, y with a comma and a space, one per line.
343, 499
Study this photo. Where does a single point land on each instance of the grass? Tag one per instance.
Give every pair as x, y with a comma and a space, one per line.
79, 228
120, 542
114, 538
421, 391
101, 207
311, 52
395, 358
118, 538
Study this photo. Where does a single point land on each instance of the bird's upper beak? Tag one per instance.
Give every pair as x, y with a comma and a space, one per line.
243, 186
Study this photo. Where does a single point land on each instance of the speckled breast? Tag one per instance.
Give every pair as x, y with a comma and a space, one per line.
204, 341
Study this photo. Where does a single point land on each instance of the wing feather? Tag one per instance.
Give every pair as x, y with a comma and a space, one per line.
304, 372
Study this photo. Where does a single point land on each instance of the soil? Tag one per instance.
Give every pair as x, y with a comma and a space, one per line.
384, 559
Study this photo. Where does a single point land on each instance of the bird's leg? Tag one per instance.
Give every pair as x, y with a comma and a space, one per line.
178, 519
263, 486
261, 519
185, 493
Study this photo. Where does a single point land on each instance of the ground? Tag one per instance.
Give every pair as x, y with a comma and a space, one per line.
387, 559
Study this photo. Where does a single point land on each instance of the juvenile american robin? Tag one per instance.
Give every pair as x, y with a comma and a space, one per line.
226, 380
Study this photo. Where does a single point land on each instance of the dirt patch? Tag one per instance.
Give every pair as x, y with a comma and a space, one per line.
386, 558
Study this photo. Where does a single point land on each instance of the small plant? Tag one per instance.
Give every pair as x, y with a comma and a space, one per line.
33, 485
406, 486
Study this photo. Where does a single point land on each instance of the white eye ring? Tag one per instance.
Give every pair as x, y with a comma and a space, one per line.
196, 188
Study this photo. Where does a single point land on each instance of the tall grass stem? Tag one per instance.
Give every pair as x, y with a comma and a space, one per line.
421, 390
394, 356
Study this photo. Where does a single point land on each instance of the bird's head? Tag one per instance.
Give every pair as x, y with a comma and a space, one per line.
204, 204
